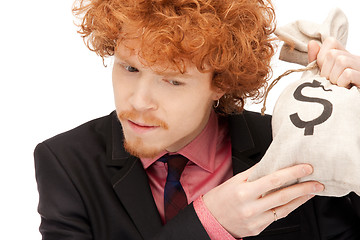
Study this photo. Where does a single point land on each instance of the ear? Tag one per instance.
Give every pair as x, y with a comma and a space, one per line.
217, 94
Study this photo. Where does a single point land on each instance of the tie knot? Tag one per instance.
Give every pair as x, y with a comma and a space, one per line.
176, 164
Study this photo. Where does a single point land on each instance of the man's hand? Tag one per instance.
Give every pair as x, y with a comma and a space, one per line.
240, 207
336, 64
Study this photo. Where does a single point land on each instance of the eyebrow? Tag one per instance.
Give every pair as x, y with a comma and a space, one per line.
165, 73
124, 60
175, 74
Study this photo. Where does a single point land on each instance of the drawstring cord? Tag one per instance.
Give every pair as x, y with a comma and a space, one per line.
276, 80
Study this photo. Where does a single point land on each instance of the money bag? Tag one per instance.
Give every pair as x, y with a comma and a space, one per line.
314, 121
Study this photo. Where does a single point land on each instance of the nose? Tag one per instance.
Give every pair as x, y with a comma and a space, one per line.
142, 97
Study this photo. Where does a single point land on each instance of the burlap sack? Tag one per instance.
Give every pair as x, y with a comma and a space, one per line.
314, 121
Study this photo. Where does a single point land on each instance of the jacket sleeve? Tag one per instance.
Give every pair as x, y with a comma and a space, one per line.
62, 213
355, 200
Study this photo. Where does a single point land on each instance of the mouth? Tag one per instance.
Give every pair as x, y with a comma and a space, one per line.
141, 127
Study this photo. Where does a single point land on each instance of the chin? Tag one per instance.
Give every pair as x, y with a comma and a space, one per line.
138, 149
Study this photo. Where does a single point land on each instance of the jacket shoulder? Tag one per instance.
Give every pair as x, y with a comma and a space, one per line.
257, 119
258, 125
250, 133
86, 137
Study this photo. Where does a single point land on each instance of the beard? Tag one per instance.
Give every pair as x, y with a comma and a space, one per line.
137, 147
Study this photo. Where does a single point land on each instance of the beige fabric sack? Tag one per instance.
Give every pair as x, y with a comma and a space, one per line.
314, 121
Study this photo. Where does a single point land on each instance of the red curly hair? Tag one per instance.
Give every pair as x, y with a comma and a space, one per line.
231, 37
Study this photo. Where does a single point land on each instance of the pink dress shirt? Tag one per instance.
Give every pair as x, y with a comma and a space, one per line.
209, 165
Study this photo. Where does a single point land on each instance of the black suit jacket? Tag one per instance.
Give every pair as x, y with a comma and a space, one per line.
91, 188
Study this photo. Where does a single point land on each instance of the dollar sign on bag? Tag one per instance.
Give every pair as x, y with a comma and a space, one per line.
328, 107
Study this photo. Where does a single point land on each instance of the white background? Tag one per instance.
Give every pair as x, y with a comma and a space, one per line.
50, 82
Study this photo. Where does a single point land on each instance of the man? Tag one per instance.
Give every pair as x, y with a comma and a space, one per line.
181, 73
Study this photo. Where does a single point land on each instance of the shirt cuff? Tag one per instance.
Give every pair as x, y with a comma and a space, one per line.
211, 225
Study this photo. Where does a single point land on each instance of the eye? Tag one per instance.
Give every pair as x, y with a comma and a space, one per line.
131, 69
175, 83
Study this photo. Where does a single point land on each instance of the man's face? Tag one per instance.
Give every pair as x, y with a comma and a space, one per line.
159, 110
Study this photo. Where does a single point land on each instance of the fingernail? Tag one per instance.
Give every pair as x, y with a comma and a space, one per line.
307, 169
319, 187
310, 196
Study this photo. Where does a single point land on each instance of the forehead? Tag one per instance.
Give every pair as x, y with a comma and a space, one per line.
129, 51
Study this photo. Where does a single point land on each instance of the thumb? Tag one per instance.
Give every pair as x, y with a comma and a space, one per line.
313, 50
243, 176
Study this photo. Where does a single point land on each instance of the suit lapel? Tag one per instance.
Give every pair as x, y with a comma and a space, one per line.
249, 140
131, 185
135, 194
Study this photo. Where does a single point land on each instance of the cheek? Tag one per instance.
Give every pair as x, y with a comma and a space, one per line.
189, 112
117, 96
121, 91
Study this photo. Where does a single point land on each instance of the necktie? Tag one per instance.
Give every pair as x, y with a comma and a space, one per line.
174, 195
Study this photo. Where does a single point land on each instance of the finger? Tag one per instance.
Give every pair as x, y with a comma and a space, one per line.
313, 50
267, 217
339, 61
243, 176
328, 64
351, 71
349, 77
289, 194
329, 43
355, 79
285, 210
280, 178
343, 64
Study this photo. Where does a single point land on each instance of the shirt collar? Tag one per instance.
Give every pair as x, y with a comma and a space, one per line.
201, 150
